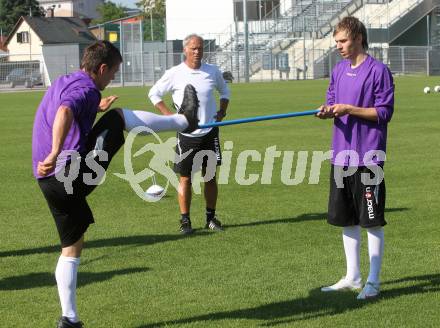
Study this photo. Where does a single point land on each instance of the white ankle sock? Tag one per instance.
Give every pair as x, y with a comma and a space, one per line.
375, 251
157, 123
351, 237
65, 274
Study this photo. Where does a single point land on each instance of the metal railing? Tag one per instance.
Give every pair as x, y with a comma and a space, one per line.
390, 13
145, 68
294, 64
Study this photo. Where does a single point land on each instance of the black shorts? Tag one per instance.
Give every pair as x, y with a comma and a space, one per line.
202, 152
69, 207
356, 203
71, 212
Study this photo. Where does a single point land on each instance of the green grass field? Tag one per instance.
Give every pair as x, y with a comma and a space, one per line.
266, 269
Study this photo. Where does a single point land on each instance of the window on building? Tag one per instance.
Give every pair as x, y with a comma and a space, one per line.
257, 9
23, 37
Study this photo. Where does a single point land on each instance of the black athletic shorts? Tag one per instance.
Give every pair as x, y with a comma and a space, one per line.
203, 150
69, 207
356, 203
71, 212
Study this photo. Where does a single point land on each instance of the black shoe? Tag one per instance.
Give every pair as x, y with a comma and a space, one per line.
214, 225
190, 108
185, 227
66, 323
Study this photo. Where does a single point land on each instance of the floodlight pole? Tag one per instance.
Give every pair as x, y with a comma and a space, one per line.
304, 48
428, 36
259, 10
246, 43
151, 24
151, 5
141, 32
388, 23
121, 44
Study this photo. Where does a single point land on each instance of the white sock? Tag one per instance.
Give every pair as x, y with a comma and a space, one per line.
157, 123
375, 251
351, 237
65, 274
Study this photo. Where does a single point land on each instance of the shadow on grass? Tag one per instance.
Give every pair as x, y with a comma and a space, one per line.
144, 240
296, 219
45, 279
139, 240
315, 305
301, 218
396, 209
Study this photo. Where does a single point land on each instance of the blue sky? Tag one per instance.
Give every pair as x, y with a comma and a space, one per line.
126, 3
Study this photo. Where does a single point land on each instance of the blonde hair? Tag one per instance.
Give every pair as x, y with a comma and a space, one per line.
354, 28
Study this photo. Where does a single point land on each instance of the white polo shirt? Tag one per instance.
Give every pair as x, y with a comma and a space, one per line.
205, 79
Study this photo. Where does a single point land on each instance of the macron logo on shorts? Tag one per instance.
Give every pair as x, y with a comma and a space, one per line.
369, 197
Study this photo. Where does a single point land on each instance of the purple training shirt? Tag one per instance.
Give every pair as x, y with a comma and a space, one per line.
76, 91
368, 85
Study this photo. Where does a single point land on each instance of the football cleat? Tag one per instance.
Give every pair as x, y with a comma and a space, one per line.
189, 108
343, 284
185, 227
214, 225
64, 322
370, 290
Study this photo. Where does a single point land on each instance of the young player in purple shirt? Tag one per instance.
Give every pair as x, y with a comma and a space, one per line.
360, 99
66, 142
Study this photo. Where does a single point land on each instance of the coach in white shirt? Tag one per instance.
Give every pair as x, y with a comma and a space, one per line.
205, 78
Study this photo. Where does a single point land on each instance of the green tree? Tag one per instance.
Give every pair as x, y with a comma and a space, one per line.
154, 12
12, 10
157, 26
156, 7
109, 11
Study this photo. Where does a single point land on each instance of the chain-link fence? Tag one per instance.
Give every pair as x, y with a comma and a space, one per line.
146, 67
20, 70
296, 64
